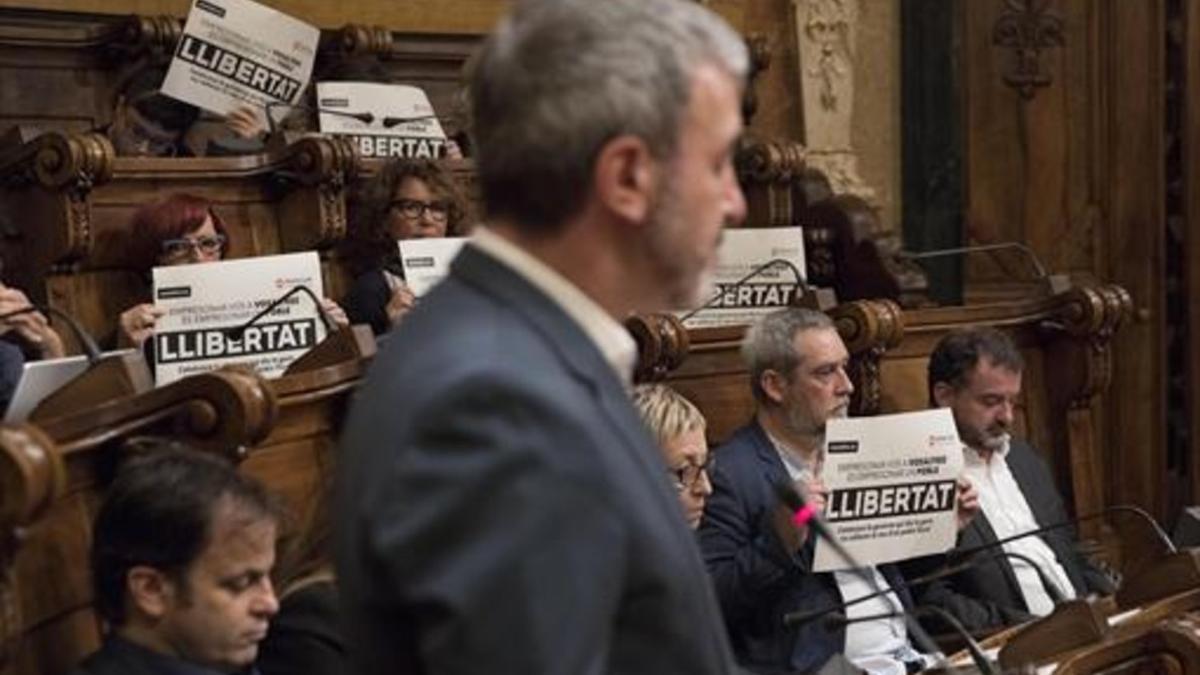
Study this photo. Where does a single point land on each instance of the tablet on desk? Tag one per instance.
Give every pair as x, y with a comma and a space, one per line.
39, 379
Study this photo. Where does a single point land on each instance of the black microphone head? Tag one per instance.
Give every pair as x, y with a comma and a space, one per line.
235, 333
365, 118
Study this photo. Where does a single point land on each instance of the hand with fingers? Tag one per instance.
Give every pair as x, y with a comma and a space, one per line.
401, 302
137, 323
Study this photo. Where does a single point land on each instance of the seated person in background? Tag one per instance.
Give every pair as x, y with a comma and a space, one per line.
977, 374
760, 562
407, 199
147, 123
678, 427
23, 338
179, 230
181, 558
306, 636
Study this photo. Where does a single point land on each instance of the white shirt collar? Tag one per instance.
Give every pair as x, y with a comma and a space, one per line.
972, 456
610, 337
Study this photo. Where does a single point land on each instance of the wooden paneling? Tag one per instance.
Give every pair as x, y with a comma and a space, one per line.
1075, 169
1191, 224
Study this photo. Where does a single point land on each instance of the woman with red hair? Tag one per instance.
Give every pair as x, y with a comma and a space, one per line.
180, 230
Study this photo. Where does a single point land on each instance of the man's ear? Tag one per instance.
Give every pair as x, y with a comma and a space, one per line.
943, 394
626, 178
150, 591
774, 385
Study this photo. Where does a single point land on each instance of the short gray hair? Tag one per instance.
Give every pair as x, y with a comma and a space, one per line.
558, 79
666, 412
768, 344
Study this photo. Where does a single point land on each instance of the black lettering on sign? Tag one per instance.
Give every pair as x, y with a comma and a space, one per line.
237, 68
211, 8
213, 343
744, 296
174, 292
883, 501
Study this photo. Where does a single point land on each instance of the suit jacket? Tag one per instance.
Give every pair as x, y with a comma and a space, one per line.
118, 656
501, 506
305, 636
987, 594
758, 581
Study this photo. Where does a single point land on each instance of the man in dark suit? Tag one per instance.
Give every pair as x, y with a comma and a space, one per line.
181, 558
761, 564
501, 507
977, 374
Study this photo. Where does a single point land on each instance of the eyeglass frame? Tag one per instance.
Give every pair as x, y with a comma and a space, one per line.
207, 244
438, 209
679, 476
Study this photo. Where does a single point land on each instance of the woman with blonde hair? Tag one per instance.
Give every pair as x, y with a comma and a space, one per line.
678, 426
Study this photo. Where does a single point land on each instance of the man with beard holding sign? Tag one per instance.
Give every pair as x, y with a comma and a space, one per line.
500, 506
761, 564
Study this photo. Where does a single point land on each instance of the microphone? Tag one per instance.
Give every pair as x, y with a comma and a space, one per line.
389, 122
806, 515
364, 117
235, 332
981, 661
1055, 283
85, 340
962, 559
796, 619
815, 298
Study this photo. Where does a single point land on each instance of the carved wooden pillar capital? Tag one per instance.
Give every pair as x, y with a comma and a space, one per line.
1091, 315
356, 39
314, 173
662, 343
32, 477
766, 169
157, 34
869, 328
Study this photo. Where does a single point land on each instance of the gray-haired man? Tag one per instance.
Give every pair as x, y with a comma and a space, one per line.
501, 507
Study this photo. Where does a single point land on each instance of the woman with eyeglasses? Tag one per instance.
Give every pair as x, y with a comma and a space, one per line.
679, 428
407, 199
182, 229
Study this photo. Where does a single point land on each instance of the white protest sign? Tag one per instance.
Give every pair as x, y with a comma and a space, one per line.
891, 482
236, 53
742, 251
427, 261
203, 301
401, 119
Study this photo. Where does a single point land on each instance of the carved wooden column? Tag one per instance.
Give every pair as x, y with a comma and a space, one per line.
32, 477
56, 226
1088, 317
325, 166
827, 33
869, 328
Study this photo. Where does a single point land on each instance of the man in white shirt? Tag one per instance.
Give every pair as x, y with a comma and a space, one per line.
977, 374
762, 568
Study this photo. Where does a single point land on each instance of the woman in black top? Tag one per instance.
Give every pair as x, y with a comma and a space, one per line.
408, 199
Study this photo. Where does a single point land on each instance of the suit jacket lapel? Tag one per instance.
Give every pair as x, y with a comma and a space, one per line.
983, 530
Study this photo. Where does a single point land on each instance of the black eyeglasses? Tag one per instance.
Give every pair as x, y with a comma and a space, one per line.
412, 209
686, 477
182, 247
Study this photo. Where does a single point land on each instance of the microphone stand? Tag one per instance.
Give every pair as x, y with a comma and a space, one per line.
341, 345
788, 495
813, 298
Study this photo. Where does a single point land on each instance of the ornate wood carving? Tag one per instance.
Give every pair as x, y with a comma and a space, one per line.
32, 476
156, 34
329, 164
1092, 315
760, 60
662, 345
766, 170
869, 328
1026, 28
358, 39
827, 32
54, 174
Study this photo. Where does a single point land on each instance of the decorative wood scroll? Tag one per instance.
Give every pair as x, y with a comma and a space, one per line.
662, 343
157, 35
869, 328
32, 477
766, 170
326, 165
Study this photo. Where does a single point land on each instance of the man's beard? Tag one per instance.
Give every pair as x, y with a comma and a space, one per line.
686, 283
990, 439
